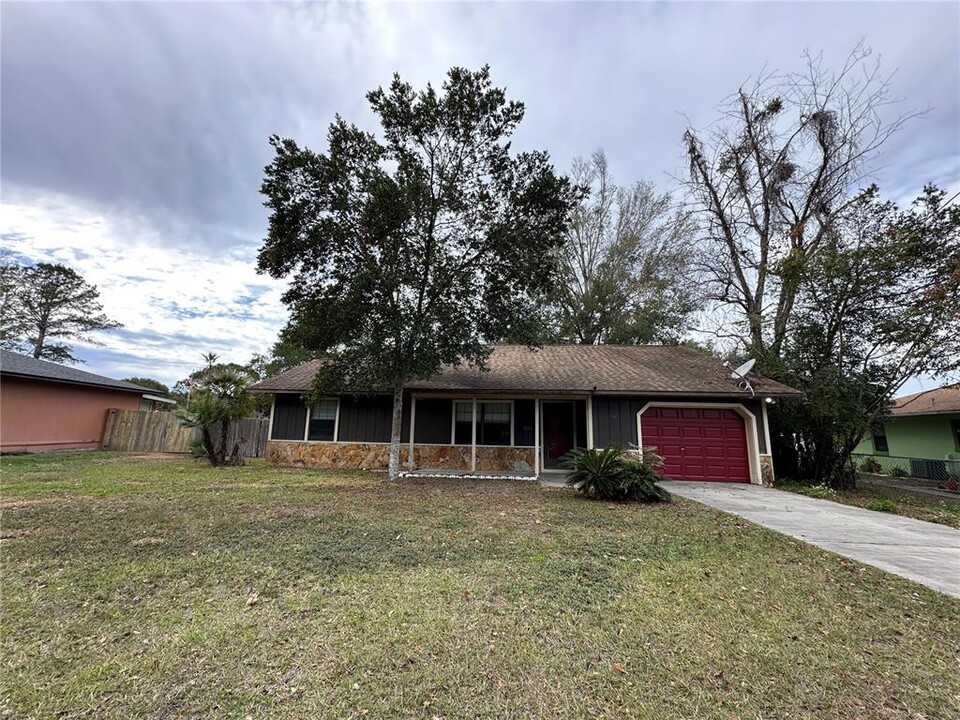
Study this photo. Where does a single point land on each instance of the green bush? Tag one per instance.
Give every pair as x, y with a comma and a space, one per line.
881, 505
612, 474
817, 491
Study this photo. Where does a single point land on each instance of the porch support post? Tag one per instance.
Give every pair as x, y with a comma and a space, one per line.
273, 410
473, 439
589, 422
536, 436
413, 419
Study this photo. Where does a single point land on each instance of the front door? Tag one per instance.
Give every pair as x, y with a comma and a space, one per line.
559, 432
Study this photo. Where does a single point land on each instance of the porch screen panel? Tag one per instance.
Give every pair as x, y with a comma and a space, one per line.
493, 423
524, 423
463, 423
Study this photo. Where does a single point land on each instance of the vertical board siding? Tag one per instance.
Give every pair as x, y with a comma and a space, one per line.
289, 417
365, 418
615, 420
434, 421
145, 431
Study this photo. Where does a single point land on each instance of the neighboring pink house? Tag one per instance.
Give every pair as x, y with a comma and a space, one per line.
45, 406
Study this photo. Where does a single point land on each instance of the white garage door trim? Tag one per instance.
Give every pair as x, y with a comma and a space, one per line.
753, 447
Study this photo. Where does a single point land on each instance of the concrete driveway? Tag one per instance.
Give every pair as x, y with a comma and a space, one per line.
920, 551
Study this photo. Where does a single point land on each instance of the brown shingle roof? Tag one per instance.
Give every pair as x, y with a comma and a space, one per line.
574, 369
929, 402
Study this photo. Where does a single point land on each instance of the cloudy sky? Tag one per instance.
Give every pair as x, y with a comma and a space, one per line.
134, 135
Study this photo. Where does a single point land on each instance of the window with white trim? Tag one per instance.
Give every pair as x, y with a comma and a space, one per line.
323, 420
494, 421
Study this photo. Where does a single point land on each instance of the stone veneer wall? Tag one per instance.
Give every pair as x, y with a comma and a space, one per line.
518, 460
455, 458
329, 456
374, 456
766, 469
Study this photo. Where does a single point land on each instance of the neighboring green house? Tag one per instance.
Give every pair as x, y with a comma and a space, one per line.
922, 431
922, 425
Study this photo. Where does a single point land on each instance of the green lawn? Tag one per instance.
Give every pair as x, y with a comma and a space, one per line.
154, 587
887, 499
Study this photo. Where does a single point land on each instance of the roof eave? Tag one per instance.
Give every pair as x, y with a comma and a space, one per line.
40, 378
735, 394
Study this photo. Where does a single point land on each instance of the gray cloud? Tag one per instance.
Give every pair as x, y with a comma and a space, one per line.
136, 124
164, 110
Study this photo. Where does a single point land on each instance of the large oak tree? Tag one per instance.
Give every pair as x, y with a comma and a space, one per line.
413, 249
878, 305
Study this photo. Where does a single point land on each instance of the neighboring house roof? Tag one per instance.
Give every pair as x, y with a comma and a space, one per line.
574, 369
16, 365
929, 402
160, 399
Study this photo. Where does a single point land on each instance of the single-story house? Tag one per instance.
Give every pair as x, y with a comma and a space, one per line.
45, 406
922, 425
530, 407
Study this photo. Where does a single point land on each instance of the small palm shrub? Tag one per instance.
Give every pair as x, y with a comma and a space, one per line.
612, 474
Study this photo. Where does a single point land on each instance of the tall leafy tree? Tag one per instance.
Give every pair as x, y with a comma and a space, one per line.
879, 304
626, 263
13, 323
412, 250
45, 305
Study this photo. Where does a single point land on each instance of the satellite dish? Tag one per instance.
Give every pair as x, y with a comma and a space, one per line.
741, 372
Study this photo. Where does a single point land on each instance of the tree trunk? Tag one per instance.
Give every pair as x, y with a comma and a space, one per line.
393, 471
207, 441
222, 444
41, 338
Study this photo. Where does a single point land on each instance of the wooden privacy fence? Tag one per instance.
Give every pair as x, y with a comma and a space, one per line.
145, 431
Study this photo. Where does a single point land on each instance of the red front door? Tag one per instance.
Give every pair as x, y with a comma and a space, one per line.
698, 443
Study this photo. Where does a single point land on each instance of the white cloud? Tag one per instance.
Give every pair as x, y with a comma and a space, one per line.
174, 304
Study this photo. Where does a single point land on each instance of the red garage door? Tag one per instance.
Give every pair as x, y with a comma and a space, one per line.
698, 443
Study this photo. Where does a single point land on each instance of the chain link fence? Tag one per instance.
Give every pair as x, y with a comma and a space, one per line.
941, 473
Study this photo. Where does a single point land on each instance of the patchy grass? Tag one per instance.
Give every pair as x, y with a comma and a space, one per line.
885, 499
146, 587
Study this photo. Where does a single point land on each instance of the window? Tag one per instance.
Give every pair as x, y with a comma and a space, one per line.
880, 440
323, 420
493, 423
955, 426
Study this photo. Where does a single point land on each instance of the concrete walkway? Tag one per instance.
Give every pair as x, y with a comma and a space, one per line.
924, 552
